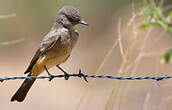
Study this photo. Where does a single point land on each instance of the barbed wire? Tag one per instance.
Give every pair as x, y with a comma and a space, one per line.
50, 77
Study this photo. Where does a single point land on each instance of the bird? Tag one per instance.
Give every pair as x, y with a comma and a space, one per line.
54, 49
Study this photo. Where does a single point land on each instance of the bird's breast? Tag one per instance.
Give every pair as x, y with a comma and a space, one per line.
60, 52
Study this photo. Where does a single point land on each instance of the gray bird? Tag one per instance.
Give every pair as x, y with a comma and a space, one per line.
55, 48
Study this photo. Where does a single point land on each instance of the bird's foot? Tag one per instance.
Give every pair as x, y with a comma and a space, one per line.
82, 75
49, 75
66, 75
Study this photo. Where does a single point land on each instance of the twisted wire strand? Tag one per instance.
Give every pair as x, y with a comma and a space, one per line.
50, 77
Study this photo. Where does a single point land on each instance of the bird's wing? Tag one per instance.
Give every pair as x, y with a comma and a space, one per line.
47, 43
33, 61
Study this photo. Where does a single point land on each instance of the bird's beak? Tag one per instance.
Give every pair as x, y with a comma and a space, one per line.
83, 22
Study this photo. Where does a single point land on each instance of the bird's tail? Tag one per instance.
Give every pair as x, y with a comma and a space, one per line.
23, 90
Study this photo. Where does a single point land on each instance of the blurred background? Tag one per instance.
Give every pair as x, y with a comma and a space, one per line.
111, 45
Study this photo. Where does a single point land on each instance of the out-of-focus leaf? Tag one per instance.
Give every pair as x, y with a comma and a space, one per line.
165, 26
159, 12
145, 26
167, 57
151, 10
169, 17
146, 11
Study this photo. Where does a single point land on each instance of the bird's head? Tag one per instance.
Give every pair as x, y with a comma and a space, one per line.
69, 16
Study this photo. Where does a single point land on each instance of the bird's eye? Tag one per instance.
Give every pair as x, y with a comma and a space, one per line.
70, 19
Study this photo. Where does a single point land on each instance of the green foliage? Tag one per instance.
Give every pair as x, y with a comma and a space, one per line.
167, 57
154, 17
165, 26
151, 10
169, 17
146, 26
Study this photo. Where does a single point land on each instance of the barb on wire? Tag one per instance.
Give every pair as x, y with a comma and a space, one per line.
157, 78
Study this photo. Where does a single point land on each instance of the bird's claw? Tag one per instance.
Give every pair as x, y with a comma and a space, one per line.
66, 76
82, 75
49, 75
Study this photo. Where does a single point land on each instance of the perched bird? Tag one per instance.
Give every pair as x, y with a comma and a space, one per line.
55, 48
